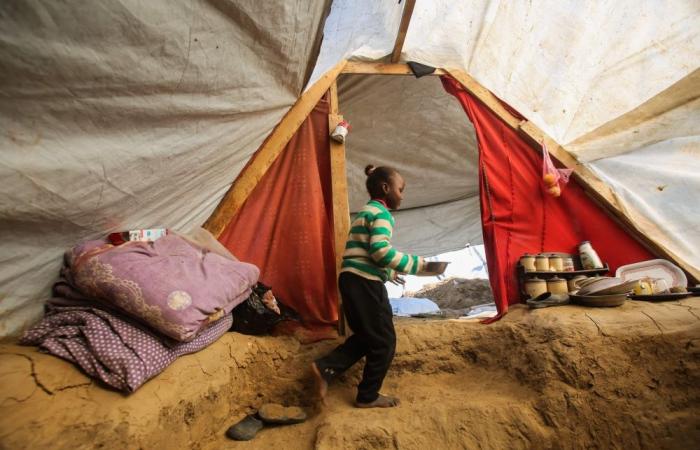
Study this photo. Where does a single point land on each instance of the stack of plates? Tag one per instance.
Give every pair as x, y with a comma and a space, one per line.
603, 291
606, 286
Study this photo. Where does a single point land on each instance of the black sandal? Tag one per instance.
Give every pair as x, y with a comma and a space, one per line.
274, 413
245, 429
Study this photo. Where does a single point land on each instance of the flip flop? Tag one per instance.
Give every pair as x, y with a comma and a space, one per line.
274, 413
245, 429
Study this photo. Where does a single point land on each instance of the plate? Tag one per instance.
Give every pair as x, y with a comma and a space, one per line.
599, 300
433, 268
622, 288
654, 268
660, 297
606, 286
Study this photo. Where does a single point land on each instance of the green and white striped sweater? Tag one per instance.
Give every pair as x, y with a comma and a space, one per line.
369, 253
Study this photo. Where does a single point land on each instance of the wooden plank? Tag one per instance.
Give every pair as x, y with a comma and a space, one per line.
341, 208
340, 199
268, 153
333, 103
371, 68
596, 188
403, 29
486, 97
536, 137
582, 173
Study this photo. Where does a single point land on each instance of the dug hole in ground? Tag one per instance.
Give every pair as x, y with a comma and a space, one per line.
565, 377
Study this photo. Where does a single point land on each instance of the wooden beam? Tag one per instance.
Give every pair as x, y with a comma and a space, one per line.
371, 68
333, 102
487, 98
268, 153
596, 188
339, 192
403, 29
583, 174
341, 208
536, 137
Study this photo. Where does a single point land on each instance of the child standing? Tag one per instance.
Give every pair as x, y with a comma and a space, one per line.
368, 261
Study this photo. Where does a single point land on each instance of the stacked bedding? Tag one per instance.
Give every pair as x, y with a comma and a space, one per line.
124, 313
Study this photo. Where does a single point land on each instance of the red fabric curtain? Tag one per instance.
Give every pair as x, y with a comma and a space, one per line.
517, 214
285, 226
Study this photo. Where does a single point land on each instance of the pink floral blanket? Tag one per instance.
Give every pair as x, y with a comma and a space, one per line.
170, 285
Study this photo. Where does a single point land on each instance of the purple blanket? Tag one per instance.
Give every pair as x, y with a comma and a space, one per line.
121, 354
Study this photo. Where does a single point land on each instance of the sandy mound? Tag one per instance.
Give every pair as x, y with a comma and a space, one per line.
457, 293
567, 377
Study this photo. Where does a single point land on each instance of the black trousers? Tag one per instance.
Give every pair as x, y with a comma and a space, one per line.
366, 306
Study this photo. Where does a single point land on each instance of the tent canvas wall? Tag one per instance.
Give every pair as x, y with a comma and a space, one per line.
131, 115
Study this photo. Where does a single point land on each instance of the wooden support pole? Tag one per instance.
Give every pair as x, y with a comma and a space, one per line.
267, 154
333, 100
486, 97
598, 190
370, 68
339, 184
403, 29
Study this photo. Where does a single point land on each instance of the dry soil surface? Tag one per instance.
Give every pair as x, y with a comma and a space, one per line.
566, 377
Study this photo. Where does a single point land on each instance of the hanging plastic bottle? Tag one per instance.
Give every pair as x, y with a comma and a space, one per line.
589, 257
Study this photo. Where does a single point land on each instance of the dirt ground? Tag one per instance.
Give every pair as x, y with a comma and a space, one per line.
556, 378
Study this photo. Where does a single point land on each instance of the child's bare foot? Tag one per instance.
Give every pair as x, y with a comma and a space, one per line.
320, 383
383, 401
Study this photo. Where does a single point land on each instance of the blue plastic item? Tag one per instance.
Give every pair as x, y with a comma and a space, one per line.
405, 306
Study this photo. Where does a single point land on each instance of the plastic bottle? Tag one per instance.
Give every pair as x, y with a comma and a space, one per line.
144, 235
589, 257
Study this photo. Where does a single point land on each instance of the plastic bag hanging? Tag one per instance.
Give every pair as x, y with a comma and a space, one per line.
554, 179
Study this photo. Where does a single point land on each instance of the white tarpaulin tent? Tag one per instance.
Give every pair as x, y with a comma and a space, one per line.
616, 83
128, 114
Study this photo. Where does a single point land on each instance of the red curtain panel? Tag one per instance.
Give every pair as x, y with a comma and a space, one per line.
285, 226
518, 216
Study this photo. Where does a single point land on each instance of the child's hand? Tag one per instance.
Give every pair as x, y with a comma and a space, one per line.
397, 279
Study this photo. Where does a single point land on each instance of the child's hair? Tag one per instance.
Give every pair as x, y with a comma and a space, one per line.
375, 177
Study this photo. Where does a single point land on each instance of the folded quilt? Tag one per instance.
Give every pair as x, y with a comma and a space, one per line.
118, 352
